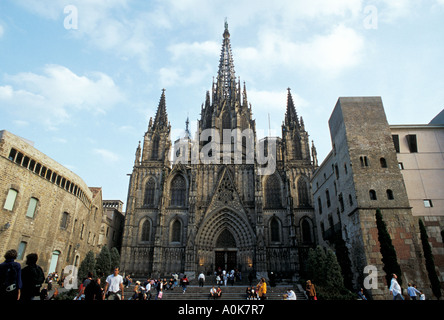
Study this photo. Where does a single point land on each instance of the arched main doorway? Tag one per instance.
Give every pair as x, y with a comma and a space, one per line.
225, 251
225, 240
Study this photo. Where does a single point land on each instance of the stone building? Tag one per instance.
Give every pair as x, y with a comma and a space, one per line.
222, 199
45, 208
113, 220
360, 175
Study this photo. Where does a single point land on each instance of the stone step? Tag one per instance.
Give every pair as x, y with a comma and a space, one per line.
228, 293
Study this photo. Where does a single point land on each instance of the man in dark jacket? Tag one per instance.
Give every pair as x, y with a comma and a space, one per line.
10, 277
32, 278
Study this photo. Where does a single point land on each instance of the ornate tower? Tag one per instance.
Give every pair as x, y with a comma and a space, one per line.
144, 202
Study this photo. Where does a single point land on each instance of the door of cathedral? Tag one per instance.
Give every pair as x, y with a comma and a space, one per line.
226, 260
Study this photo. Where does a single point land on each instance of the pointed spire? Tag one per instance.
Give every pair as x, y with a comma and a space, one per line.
138, 152
187, 129
291, 117
245, 101
161, 118
226, 79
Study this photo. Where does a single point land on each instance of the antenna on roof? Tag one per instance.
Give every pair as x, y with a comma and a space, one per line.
269, 125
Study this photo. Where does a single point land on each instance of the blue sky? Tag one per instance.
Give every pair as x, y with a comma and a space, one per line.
82, 78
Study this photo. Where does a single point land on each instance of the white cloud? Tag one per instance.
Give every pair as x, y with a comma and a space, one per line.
276, 101
176, 75
52, 97
2, 31
193, 50
106, 155
331, 53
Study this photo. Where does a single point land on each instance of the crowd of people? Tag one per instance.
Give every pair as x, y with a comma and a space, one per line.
27, 283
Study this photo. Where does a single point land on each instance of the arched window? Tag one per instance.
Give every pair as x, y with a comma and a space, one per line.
226, 120
273, 198
176, 231
150, 187
275, 230
390, 194
383, 163
178, 191
155, 149
146, 231
306, 231
372, 194
304, 200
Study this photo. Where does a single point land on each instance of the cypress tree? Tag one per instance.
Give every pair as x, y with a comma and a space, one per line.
343, 257
115, 258
87, 265
387, 249
430, 261
103, 263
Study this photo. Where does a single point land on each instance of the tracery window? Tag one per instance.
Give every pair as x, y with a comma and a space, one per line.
273, 197
275, 230
146, 231
306, 232
155, 151
150, 188
178, 191
176, 231
303, 193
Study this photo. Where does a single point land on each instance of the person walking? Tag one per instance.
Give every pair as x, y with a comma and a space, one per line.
395, 288
114, 286
10, 277
412, 291
201, 279
310, 290
32, 278
184, 283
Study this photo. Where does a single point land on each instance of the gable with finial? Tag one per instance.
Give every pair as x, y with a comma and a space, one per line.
225, 194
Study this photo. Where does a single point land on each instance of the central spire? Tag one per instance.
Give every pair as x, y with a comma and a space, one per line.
226, 78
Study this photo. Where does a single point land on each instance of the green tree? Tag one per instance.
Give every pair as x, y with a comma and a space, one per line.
342, 254
430, 261
387, 249
325, 273
103, 263
315, 265
115, 258
87, 265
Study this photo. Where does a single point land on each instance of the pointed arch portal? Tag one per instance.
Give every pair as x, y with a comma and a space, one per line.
226, 241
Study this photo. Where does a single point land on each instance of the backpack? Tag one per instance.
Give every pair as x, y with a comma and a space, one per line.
9, 282
38, 276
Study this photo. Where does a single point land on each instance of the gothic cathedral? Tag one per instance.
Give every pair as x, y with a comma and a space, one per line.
220, 210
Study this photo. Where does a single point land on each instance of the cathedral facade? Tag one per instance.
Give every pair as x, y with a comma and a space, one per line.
222, 199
